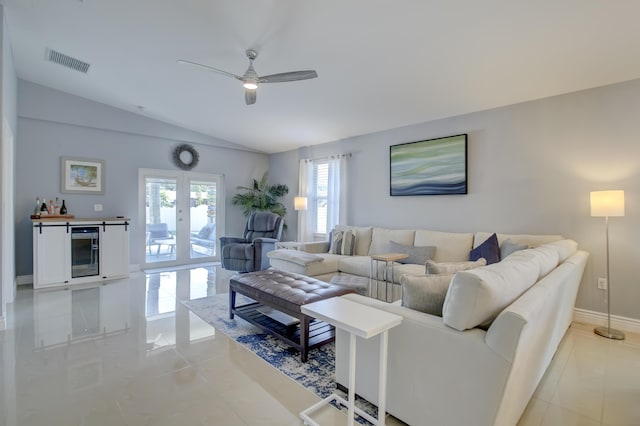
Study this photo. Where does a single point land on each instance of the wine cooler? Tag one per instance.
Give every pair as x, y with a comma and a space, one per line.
85, 251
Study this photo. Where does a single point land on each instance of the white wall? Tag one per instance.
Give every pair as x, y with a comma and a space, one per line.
52, 124
8, 118
531, 168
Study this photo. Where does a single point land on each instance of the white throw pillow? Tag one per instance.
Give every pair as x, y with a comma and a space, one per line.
453, 267
477, 296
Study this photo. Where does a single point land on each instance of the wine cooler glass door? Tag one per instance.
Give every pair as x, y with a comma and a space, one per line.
85, 251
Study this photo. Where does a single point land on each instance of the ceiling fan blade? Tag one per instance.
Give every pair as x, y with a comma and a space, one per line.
288, 76
250, 96
208, 68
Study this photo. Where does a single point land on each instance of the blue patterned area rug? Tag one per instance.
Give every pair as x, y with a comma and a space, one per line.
317, 374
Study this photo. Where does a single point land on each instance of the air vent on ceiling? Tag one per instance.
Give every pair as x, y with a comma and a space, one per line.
67, 61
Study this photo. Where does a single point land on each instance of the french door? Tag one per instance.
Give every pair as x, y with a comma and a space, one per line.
183, 213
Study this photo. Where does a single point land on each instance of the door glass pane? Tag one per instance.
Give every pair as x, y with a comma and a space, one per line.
161, 219
202, 219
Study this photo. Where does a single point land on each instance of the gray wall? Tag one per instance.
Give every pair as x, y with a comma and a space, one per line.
52, 124
8, 89
531, 168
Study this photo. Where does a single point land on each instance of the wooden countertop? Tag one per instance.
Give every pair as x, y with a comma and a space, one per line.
48, 218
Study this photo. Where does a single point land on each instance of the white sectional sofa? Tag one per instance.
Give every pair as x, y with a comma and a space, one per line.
480, 362
313, 259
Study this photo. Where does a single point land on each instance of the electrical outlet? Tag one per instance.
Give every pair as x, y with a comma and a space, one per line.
97, 207
602, 283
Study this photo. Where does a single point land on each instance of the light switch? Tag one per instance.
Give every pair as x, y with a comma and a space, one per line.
97, 207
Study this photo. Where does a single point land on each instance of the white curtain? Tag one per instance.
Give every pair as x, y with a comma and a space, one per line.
306, 189
337, 192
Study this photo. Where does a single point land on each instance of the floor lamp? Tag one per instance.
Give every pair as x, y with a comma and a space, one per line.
300, 205
608, 204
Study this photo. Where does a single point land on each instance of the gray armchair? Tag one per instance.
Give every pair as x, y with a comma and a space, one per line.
249, 253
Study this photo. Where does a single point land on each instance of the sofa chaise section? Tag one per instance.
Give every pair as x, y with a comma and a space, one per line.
448, 371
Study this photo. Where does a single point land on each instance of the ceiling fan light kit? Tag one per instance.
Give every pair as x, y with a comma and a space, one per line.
250, 78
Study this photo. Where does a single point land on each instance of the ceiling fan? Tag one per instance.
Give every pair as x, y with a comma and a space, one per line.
251, 79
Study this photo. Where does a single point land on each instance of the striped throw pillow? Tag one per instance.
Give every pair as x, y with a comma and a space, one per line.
343, 242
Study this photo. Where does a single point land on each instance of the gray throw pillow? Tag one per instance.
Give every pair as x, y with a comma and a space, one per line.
425, 293
453, 267
417, 255
509, 247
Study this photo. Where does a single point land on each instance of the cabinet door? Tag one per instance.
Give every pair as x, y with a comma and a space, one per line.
114, 251
51, 256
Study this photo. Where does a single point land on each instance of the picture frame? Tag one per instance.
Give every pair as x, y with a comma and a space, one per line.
429, 167
82, 176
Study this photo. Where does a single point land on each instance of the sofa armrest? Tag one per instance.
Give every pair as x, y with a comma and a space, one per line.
232, 240
431, 360
263, 240
295, 256
315, 247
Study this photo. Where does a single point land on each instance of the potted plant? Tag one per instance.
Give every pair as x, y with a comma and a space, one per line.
261, 196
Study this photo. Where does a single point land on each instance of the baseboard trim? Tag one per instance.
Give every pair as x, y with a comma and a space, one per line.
630, 325
24, 279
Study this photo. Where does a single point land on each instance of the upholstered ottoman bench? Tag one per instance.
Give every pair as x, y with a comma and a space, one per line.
284, 292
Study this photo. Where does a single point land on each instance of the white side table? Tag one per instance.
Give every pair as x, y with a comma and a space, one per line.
375, 263
359, 321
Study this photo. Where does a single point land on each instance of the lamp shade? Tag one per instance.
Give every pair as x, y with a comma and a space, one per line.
300, 203
607, 203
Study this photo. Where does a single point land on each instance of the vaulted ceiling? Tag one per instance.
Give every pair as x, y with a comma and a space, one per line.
380, 64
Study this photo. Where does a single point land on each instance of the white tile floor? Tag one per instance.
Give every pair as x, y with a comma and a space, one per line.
128, 353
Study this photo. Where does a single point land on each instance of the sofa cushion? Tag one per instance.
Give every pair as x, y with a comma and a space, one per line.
565, 248
417, 254
342, 242
363, 238
545, 257
295, 256
453, 267
529, 240
477, 296
381, 237
328, 265
361, 265
508, 247
489, 249
355, 265
401, 269
425, 293
450, 246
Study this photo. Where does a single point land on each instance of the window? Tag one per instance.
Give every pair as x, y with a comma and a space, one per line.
320, 188
323, 182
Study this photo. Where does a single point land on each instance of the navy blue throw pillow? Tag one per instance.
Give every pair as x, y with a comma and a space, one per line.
490, 250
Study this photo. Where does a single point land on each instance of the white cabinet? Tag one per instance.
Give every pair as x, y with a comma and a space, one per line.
114, 253
76, 251
54, 262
